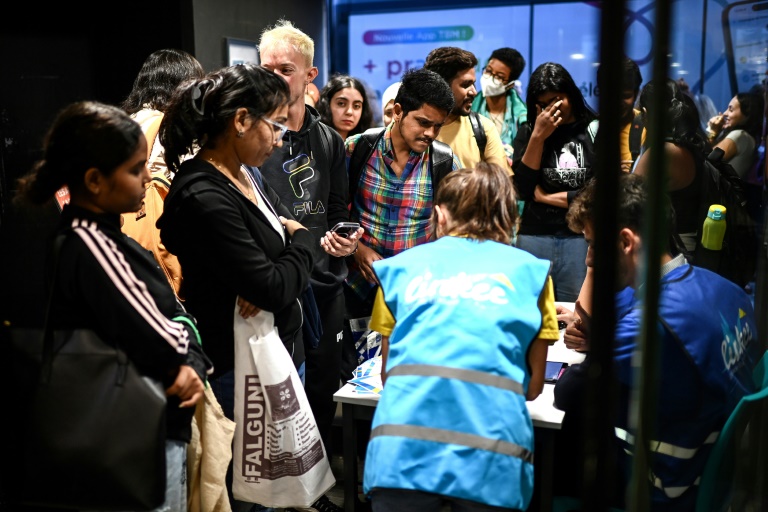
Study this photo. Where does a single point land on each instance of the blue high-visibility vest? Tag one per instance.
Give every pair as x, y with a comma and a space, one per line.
452, 417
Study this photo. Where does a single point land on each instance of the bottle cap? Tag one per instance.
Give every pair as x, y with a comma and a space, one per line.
716, 212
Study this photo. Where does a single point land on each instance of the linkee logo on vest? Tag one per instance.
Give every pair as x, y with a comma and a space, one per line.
450, 290
300, 172
734, 342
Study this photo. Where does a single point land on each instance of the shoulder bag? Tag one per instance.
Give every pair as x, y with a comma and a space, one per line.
91, 428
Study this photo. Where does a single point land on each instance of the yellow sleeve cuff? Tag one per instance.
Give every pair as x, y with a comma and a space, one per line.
381, 319
549, 330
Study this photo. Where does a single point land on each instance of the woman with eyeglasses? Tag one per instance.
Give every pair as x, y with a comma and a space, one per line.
234, 240
221, 223
553, 158
498, 100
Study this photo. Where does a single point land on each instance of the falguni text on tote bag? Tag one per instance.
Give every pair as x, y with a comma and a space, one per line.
279, 459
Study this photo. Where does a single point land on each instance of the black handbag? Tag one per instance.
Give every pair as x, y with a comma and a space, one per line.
93, 428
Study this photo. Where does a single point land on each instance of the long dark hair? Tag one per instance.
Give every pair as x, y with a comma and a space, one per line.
334, 85
160, 74
683, 126
84, 135
751, 106
553, 77
200, 109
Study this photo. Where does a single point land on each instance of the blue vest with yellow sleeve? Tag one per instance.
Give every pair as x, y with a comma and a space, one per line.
452, 418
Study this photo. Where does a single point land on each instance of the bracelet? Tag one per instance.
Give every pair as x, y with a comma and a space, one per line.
353, 252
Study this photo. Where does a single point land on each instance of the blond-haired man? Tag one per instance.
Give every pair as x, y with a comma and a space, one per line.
309, 174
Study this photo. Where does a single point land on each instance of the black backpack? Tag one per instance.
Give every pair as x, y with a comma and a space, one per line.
721, 185
441, 159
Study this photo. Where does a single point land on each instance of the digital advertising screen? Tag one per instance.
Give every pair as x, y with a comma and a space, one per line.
718, 52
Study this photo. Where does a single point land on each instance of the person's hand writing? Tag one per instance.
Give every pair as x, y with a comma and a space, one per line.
247, 310
291, 226
576, 335
547, 119
364, 257
564, 314
574, 338
340, 246
187, 386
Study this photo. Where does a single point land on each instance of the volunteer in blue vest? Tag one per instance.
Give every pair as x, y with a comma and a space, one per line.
466, 320
708, 349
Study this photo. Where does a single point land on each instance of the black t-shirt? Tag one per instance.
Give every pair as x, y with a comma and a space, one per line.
566, 166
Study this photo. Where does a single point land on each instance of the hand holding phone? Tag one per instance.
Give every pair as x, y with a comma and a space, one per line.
345, 229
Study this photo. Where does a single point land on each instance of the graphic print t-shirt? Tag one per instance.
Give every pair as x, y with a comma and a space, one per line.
566, 166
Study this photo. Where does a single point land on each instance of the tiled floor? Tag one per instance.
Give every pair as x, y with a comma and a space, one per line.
336, 494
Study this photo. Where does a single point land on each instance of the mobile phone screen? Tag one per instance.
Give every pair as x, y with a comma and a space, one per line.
745, 25
345, 228
552, 371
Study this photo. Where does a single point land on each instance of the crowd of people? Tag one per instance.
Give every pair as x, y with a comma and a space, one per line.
207, 192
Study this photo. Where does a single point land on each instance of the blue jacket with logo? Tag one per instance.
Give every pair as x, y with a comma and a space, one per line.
708, 350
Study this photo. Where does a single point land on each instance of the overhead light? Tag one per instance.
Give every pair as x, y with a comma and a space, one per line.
675, 65
577, 56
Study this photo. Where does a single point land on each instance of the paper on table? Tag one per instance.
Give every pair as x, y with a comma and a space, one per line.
367, 377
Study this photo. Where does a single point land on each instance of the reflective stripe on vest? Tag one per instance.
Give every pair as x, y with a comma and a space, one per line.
452, 437
671, 492
473, 376
663, 448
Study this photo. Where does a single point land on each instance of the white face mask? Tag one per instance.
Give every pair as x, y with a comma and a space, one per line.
491, 87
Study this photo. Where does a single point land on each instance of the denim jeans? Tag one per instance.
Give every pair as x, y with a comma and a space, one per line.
567, 255
176, 477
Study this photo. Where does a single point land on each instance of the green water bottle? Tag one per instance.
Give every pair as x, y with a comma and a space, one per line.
714, 228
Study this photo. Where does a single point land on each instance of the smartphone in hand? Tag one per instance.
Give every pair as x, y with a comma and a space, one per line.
345, 229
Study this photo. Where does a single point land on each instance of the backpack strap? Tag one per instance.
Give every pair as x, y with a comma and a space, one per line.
592, 129
161, 183
325, 139
636, 136
480, 136
360, 156
440, 163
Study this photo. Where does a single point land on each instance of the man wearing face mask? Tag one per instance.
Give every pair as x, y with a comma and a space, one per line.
472, 137
499, 100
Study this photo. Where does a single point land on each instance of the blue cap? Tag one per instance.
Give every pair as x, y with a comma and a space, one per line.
716, 212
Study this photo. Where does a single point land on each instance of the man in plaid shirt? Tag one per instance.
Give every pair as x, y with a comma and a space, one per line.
391, 196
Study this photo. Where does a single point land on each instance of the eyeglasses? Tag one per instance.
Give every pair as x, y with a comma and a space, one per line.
497, 79
283, 129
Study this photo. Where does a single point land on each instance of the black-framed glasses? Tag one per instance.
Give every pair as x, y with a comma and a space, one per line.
498, 80
282, 127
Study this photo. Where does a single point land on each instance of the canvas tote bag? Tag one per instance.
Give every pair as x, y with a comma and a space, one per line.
279, 459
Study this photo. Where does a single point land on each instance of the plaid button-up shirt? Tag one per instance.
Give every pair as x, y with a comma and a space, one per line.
394, 211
